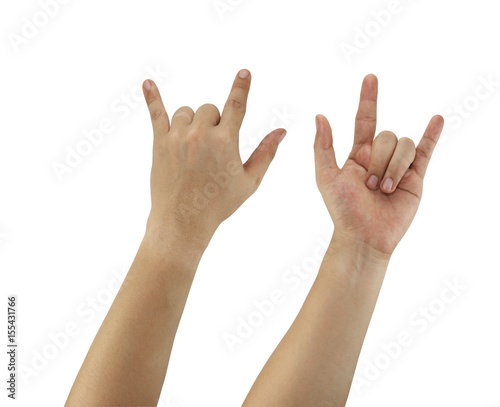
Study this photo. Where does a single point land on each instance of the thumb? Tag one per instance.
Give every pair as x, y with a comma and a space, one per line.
324, 154
258, 163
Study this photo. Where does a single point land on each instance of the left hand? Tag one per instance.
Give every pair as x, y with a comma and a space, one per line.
198, 179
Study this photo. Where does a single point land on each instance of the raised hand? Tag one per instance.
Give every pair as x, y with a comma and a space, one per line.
198, 179
374, 197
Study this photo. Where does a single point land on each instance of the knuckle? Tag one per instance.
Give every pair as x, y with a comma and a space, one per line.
236, 104
209, 106
196, 132
365, 118
174, 142
408, 141
158, 114
184, 109
427, 147
387, 136
256, 181
241, 86
424, 152
174, 137
151, 100
222, 137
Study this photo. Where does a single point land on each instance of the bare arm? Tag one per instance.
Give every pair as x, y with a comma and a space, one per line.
128, 359
197, 181
315, 362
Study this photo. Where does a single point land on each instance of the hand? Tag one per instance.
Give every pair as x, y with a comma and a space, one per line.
198, 179
374, 197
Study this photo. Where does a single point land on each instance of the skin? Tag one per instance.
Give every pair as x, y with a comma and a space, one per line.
314, 363
197, 181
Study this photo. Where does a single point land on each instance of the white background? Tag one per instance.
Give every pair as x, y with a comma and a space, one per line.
62, 242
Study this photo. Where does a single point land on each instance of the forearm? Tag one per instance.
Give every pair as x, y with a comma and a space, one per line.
128, 359
315, 362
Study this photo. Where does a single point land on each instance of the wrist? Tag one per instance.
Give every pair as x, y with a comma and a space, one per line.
161, 240
357, 253
164, 268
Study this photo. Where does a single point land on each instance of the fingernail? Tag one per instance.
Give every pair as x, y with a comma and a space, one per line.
282, 136
387, 185
317, 123
372, 182
147, 84
243, 73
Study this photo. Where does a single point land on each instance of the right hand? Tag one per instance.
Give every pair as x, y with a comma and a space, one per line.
376, 215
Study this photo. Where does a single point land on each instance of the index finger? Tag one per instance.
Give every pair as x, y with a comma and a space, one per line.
366, 117
235, 107
427, 144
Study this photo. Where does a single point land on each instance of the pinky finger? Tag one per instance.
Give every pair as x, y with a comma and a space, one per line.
159, 116
427, 145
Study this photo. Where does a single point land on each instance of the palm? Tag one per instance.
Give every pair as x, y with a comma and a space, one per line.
374, 217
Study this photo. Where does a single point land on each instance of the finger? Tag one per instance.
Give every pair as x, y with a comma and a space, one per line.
159, 116
182, 117
324, 154
366, 117
403, 156
235, 107
258, 163
207, 114
382, 150
427, 145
